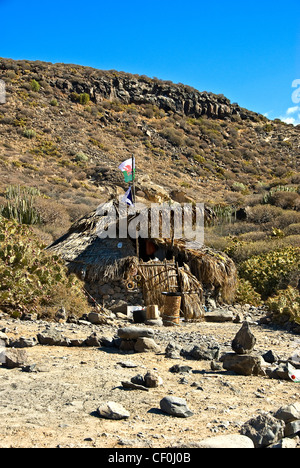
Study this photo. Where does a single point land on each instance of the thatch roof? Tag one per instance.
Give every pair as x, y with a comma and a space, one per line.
96, 259
90, 257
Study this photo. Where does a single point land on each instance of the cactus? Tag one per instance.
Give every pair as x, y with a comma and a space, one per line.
20, 205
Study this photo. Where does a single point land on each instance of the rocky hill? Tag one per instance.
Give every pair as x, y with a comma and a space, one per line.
64, 129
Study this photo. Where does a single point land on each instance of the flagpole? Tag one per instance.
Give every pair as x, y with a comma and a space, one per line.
133, 177
134, 200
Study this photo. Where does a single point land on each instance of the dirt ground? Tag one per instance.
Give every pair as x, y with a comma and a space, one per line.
56, 406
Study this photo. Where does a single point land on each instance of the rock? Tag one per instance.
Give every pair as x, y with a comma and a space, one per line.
95, 318
133, 333
107, 342
23, 342
152, 380
138, 380
205, 351
128, 364
263, 430
154, 322
288, 413
292, 428
281, 371
93, 340
120, 307
3, 339
133, 386
76, 342
127, 345
112, 410
270, 357
245, 364
226, 441
173, 351
285, 443
144, 345
175, 407
52, 337
15, 358
244, 340
180, 369
219, 315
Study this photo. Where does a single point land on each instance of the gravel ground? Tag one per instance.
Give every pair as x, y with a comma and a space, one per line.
56, 405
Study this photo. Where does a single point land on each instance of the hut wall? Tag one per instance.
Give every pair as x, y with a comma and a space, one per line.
113, 293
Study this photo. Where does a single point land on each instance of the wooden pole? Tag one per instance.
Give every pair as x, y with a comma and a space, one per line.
134, 201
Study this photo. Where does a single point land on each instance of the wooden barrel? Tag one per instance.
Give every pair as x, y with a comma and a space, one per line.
171, 314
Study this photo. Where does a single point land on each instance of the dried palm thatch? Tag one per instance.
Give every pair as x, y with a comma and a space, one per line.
158, 278
213, 269
90, 257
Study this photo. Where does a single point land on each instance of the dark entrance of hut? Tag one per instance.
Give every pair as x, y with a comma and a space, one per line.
161, 276
149, 250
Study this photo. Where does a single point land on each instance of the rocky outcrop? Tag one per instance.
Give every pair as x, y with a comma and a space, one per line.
130, 89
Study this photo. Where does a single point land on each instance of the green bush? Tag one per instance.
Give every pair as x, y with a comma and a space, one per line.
81, 157
246, 294
33, 280
35, 86
271, 271
28, 133
83, 98
285, 305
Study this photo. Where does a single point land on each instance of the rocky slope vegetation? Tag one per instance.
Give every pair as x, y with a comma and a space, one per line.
65, 128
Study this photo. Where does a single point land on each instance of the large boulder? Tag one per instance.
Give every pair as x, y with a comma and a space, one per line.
264, 430
245, 364
14, 358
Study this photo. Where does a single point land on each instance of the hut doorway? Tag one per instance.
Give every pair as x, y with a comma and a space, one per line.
149, 250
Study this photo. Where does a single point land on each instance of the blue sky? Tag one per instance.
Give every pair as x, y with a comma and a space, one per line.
250, 52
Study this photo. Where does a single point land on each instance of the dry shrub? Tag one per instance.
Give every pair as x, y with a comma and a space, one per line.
77, 210
52, 212
286, 200
254, 236
261, 214
286, 218
292, 229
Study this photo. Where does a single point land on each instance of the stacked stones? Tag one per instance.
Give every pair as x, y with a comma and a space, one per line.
243, 361
137, 339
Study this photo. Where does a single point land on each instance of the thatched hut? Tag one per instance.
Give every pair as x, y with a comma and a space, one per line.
140, 270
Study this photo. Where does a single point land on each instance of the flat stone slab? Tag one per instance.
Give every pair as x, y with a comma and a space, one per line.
133, 333
219, 315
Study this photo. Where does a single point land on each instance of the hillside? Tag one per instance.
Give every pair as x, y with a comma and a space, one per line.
65, 129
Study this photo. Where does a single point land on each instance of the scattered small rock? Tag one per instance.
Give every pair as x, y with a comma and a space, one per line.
175, 407
112, 410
